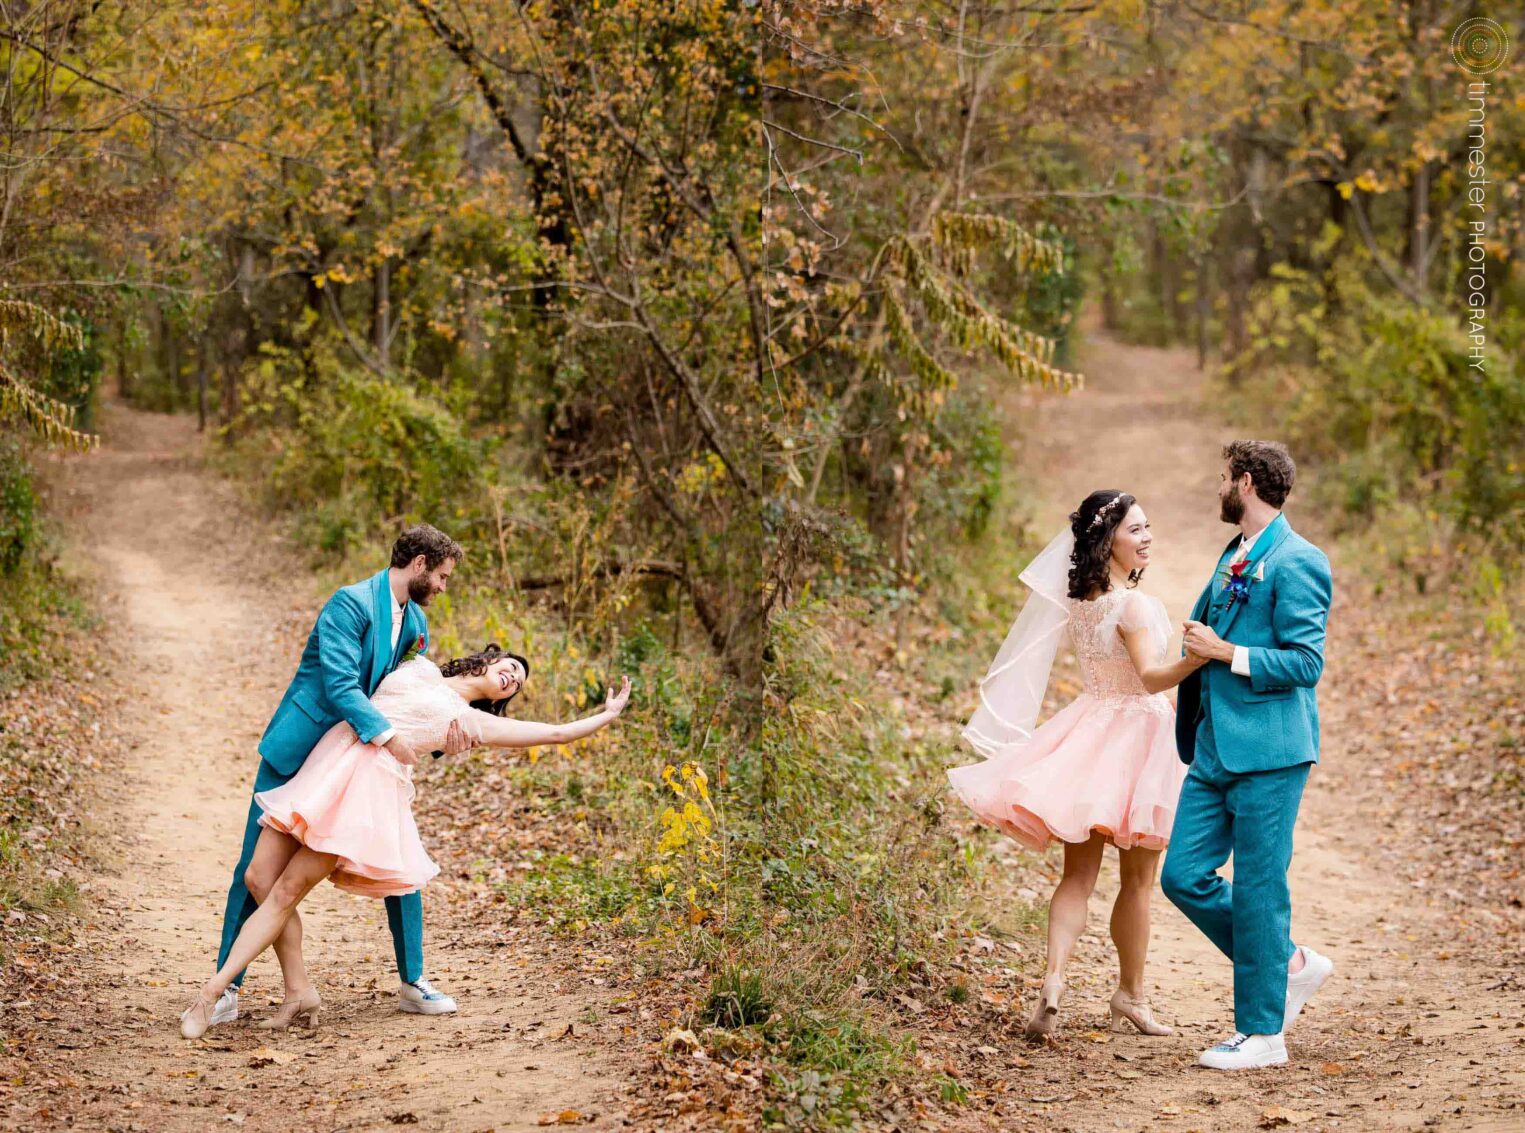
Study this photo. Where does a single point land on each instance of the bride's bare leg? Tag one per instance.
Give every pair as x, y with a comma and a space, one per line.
1067, 907
304, 871
1130, 917
271, 854
1130, 932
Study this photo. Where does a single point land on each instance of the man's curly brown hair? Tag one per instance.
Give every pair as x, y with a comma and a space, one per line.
1269, 464
430, 542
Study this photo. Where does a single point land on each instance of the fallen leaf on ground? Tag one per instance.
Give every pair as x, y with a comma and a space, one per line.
678, 1039
269, 1056
1274, 1116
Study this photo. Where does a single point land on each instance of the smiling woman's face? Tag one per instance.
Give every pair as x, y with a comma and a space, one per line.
506, 676
1132, 540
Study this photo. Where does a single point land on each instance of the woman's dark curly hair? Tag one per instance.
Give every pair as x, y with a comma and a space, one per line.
475, 664
1093, 524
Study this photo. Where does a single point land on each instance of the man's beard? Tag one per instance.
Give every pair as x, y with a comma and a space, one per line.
1232, 506
420, 590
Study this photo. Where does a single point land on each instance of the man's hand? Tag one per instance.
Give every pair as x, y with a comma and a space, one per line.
402, 751
455, 739
1202, 641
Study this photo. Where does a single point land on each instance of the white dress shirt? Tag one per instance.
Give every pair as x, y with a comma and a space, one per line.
381, 738
1241, 662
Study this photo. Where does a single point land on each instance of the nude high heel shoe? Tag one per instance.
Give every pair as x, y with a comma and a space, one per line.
1045, 1016
303, 1009
1124, 1006
196, 1018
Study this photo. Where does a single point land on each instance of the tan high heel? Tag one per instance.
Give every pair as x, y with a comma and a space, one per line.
1045, 1016
196, 1018
1124, 1006
303, 1009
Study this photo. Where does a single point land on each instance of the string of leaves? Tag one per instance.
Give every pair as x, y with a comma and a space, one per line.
30, 330
933, 269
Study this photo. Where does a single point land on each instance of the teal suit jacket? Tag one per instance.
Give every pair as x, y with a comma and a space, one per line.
1269, 719
347, 654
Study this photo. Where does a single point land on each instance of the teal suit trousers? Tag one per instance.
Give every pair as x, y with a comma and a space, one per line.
1249, 815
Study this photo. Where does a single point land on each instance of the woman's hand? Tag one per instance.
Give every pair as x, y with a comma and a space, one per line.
618, 698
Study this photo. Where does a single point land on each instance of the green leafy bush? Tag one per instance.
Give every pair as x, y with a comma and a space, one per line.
18, 505
349, 448
1380, 393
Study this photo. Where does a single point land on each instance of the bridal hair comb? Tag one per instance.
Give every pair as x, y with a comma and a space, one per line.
1101, 512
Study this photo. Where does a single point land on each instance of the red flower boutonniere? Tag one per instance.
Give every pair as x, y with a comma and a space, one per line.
415, 650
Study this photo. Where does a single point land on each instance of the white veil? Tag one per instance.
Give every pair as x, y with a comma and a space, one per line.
1011, 693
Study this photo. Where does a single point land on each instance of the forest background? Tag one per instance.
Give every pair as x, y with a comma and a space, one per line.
696, 323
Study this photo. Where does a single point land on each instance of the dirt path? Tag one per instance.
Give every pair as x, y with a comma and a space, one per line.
212, 633
1404, 1035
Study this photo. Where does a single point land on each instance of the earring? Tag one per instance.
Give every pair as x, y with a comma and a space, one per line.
1134, 576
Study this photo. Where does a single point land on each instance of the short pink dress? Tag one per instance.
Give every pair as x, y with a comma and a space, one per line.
1107, 762
355, 800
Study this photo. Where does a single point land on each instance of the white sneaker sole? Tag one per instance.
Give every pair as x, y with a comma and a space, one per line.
412, 1007
223, 1016
1298, 995
1241, 1062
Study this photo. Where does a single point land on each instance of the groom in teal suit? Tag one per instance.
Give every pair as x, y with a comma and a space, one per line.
363, 633
1247, 724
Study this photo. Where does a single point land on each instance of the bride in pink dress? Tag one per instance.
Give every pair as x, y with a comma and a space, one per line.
1103, 769
347, 814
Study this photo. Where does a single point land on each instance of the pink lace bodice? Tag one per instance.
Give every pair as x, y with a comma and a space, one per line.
1105, 667
417, 702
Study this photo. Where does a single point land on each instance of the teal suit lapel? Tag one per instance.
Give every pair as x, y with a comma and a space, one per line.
1208, 606
381, 628
1265, 546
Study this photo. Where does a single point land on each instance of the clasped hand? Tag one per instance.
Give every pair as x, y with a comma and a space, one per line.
1203, 645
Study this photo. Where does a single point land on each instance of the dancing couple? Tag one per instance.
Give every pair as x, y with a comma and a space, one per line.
1222, 774
333, 796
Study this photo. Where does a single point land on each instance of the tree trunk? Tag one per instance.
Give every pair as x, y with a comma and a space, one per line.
203, 360
123, 370
381, 313
1203, 310
1419, 227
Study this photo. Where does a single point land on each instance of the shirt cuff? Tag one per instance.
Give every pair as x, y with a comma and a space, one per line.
380, 738
1241, 664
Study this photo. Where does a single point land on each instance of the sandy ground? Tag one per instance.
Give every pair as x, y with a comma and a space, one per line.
1404, 1035
211, 632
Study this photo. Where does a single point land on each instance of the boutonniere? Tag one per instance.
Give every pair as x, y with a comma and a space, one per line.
414, 650
1237, 578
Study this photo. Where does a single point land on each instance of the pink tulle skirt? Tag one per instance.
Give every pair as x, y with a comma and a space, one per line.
354, 800
1105, 766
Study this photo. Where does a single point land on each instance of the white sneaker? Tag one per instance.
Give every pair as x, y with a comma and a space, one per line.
1245, 1052
226, 1010
420, 998
1302, 985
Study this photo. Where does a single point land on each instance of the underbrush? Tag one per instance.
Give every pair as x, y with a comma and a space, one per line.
1412, 452
785, 865
52, 747
779, 858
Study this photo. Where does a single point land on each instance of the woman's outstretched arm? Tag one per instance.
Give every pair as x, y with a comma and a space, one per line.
499, 731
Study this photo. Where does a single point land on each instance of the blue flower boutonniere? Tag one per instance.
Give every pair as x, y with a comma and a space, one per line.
1237, 579
414, 650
